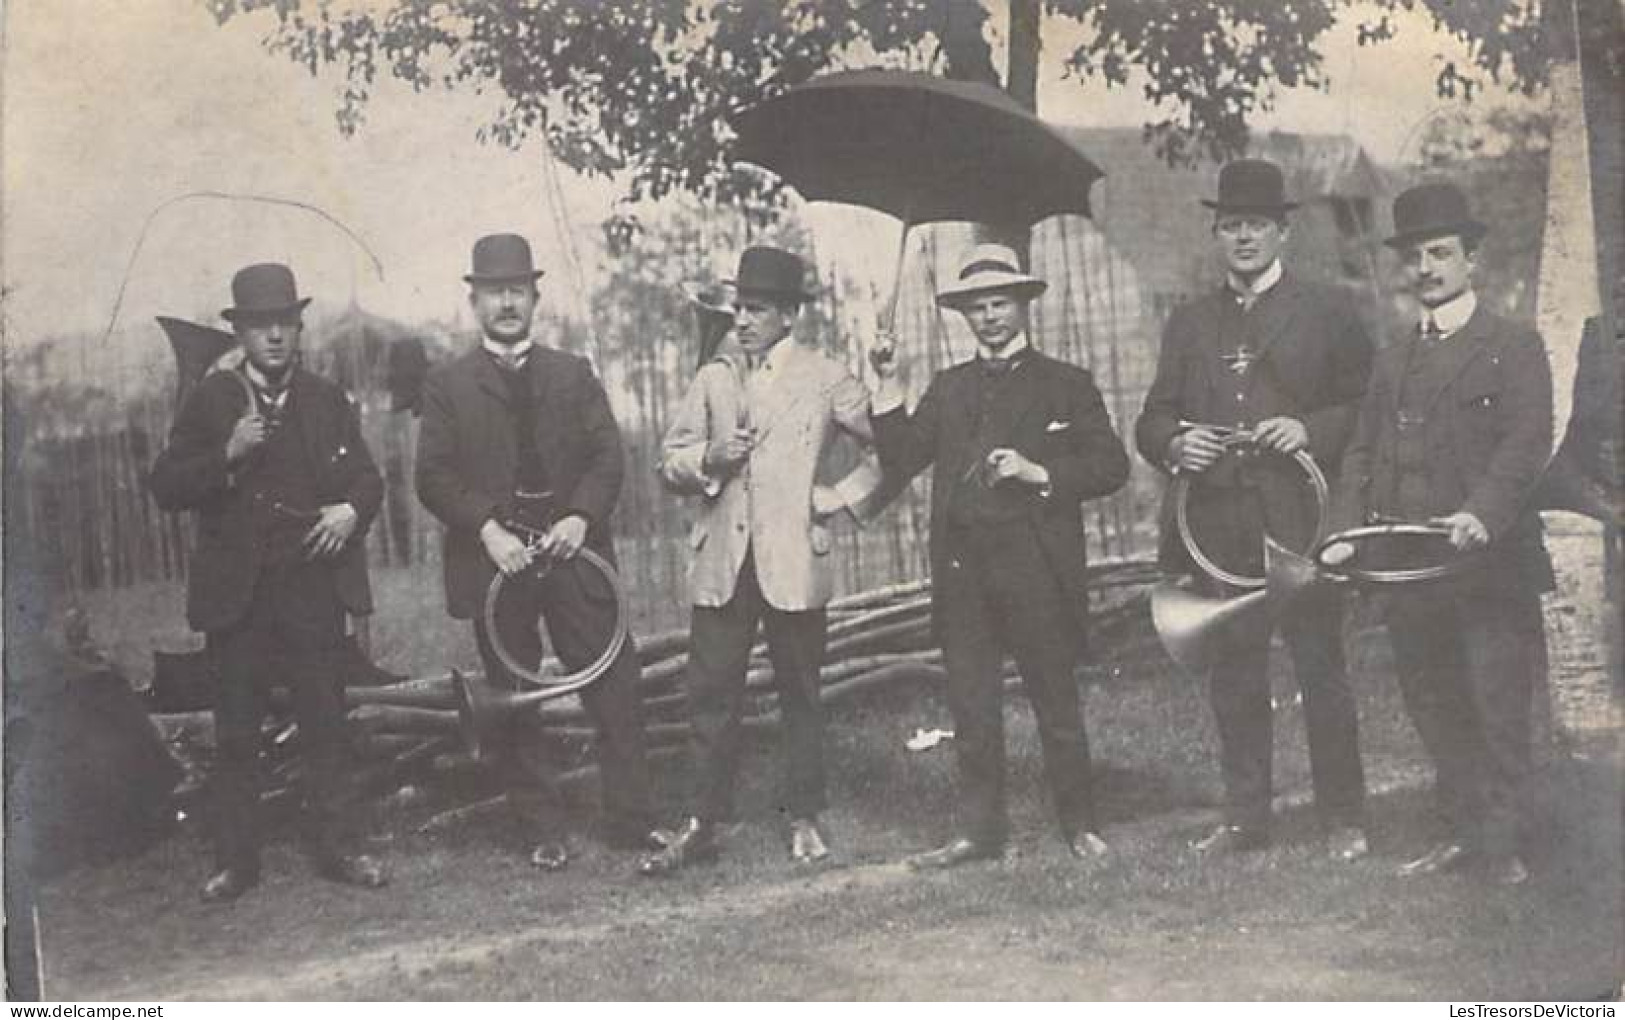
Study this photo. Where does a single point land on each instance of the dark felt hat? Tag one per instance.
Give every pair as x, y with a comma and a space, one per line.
266, 288
1251, 185
1432, 210
771, 271
502, 258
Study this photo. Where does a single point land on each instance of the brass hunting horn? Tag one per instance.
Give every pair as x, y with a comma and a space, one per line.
1192, 626
482, 706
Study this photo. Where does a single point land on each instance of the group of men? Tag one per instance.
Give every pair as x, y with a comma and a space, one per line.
521, 460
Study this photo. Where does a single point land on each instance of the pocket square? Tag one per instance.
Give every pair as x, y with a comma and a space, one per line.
1057, 426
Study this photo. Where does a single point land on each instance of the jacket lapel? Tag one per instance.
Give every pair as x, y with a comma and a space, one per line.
1275, 312
1019, 400
488, 377
302, 411
1460, 350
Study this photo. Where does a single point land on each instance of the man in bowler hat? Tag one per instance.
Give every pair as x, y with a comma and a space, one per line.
519, 436
1019, 440
271, 458
1287, 360
748, 441
1456, 429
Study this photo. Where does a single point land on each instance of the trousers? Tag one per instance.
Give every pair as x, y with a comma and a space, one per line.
294, 619
1001, 595
719, 657
580, 618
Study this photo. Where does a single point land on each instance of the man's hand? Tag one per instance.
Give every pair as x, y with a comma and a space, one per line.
1004, 462
331, 530
887, 394
1467, 532
1194, 450
246, 436
564, 539
883, 355
506, 550
826, 501
724, 455
1282, 434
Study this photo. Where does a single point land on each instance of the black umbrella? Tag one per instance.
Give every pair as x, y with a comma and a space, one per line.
919, 147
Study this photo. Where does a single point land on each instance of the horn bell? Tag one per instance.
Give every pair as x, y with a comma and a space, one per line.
1192, 626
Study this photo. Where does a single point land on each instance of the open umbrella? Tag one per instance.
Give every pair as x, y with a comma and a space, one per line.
919, 147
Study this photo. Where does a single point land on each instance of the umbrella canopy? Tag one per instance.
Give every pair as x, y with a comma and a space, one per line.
918, 147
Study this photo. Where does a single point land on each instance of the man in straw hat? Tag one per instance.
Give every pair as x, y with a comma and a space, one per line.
1019, 441
1456, 429
1286, 360
516, 435
271, 458
748, 441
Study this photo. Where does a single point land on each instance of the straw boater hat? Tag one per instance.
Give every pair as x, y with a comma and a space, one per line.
502, 258
989, 268
1433, 210
267, 288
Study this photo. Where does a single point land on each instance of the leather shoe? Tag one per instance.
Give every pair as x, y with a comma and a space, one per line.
353, 869
1088, 846
1444, 856
1231, 839
1508, 870
227, 884
694, 843
1347, 843
549, 855
807, 844
949, 855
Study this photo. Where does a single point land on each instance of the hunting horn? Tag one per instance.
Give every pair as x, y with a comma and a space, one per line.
1191, 625
196, 348
482, 705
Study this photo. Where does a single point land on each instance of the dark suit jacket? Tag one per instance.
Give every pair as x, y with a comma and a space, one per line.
1056, 418
1314, 358
1487, 433
468, 459
191, 474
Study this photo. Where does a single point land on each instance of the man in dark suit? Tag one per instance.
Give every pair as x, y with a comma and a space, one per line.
1456, 429
519, 434
1019, 441
1287, 360
271, 458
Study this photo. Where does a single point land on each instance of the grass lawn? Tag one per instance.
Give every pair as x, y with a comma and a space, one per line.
466, 919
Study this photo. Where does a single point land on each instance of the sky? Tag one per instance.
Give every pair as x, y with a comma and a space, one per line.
111, 109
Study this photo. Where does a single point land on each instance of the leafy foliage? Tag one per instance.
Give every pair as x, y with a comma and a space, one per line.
641, 88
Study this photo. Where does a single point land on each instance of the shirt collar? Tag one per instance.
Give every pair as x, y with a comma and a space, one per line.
774, 359
1019, 345
506, 352
263, 385
1451, 316
1261, 285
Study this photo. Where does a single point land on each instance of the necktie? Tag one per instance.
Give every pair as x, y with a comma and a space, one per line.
997, 368
1431, 330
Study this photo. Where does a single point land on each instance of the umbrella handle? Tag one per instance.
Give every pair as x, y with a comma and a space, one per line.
888, 321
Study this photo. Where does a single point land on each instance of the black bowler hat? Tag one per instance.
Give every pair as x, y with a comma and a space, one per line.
502, 258
1251, 185
773, 272
266, 288
1432, 210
